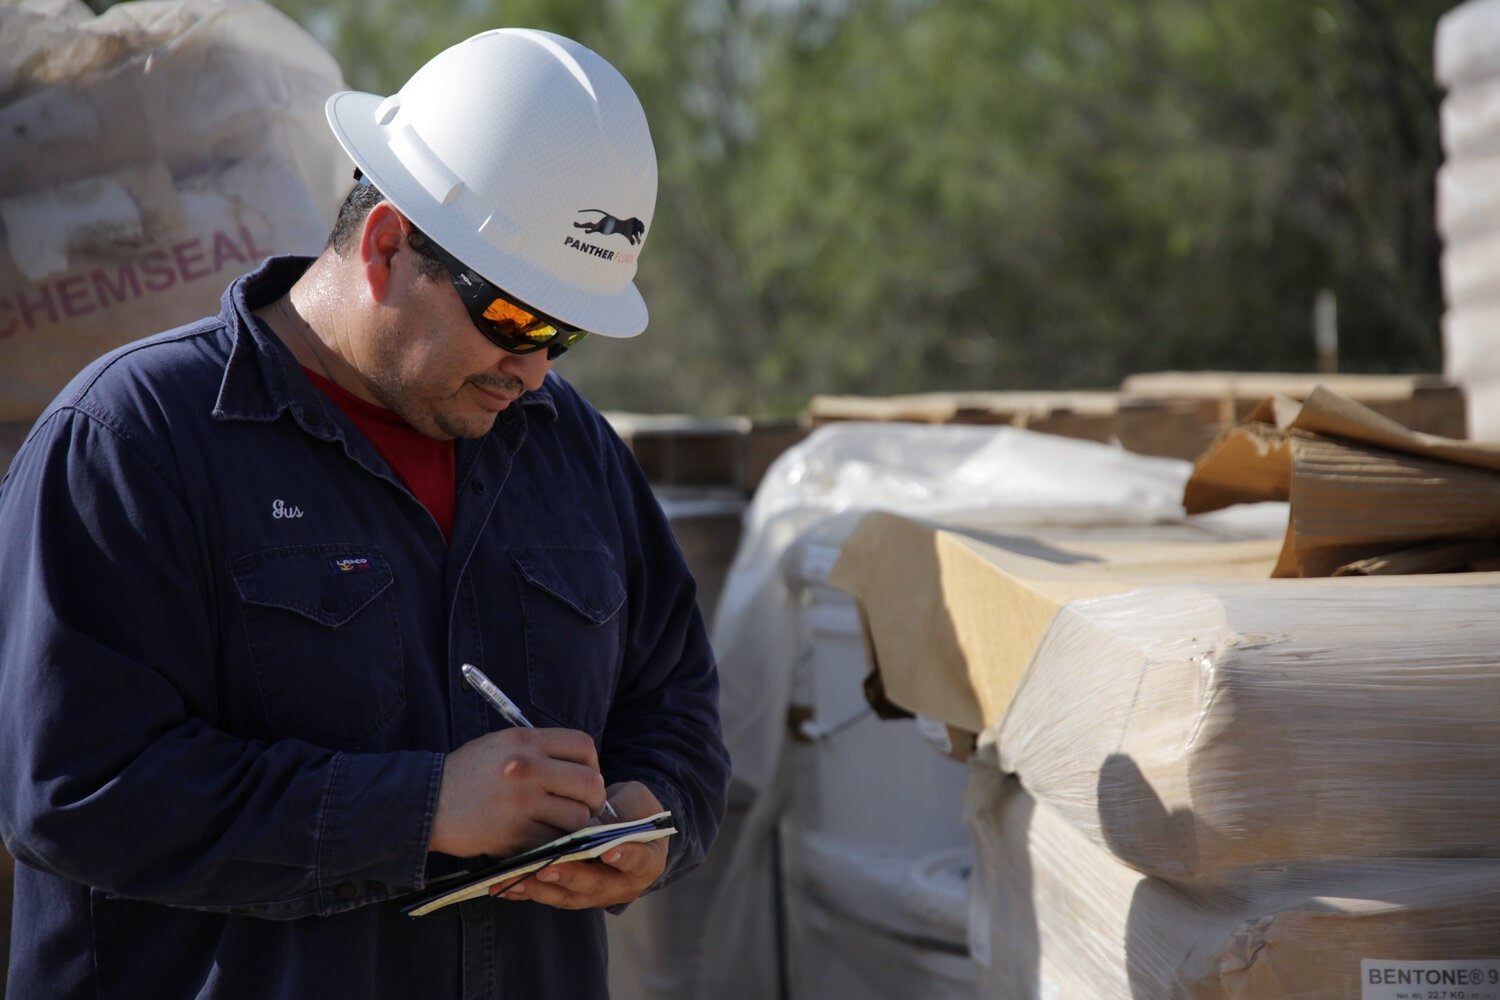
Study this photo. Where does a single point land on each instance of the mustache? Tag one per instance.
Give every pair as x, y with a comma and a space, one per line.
497, 383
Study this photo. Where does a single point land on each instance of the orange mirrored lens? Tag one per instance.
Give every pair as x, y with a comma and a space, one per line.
507, 314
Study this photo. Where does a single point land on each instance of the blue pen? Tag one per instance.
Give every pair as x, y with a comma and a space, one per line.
508, 710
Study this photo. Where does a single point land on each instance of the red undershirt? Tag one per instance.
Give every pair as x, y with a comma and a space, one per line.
425, 465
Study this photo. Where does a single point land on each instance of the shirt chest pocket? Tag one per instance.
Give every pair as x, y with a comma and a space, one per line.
570, 603
324, 640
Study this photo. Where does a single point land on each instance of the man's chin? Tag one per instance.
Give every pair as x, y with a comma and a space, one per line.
446, 427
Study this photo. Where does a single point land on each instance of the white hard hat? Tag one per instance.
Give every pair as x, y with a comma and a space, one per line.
527, 157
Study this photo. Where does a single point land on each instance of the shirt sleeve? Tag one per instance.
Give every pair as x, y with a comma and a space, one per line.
115, 776
663, 727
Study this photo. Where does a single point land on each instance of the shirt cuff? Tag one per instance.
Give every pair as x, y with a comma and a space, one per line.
374, 828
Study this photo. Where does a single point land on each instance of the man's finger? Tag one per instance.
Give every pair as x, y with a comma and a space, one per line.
639, 861
563, 744
561, 814
585, 880
576, 886
567, 779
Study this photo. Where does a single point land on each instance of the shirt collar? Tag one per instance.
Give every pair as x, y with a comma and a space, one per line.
262, 378
258, 379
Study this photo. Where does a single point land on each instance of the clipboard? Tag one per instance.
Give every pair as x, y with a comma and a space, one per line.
580, 845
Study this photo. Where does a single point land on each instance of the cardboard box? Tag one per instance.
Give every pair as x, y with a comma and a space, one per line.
1054, 916
955, 617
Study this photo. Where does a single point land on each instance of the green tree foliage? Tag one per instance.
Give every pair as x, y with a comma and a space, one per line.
907, 195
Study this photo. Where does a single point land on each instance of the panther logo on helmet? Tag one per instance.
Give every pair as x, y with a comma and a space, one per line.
632, 229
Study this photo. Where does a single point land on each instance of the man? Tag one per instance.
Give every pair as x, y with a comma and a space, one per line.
242, 563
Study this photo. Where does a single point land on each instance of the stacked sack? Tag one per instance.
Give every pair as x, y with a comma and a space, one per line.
150, 155
1467, 63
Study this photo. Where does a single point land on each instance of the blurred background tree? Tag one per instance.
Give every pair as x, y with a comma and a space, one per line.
877, 196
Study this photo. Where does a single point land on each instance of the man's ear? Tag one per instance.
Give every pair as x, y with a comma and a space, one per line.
381, 237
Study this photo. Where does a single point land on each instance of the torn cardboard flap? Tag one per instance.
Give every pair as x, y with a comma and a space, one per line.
1252, 462
1327, 413
954, 619
1360, 485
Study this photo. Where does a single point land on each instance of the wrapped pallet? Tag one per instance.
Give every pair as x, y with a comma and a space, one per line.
1054, 916
1183, 710
152, 154
1195, 780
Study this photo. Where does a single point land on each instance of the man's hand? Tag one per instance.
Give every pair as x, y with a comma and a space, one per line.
514, 789
619, 876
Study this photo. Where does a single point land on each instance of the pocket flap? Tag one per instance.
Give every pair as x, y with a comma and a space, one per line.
583, 579
329, 584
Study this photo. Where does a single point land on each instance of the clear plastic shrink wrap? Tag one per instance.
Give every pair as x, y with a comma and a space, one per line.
721, 933
1055, 916
1198, 731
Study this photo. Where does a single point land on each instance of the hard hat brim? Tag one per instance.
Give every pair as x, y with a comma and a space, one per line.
352, 116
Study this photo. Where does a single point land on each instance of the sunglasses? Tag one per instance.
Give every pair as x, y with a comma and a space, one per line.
506, 323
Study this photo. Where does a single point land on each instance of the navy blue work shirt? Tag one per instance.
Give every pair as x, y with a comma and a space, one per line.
230, 643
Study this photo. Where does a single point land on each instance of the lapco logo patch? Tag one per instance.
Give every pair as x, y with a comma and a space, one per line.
352, 564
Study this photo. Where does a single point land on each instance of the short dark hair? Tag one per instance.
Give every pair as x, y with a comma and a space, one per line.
351, 219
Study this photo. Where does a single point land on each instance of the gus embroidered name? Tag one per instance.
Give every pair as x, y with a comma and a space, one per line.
280, 508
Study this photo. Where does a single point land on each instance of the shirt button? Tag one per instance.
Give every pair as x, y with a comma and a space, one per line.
313, 419
477, 486
375, 888
329, 605
346, 890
